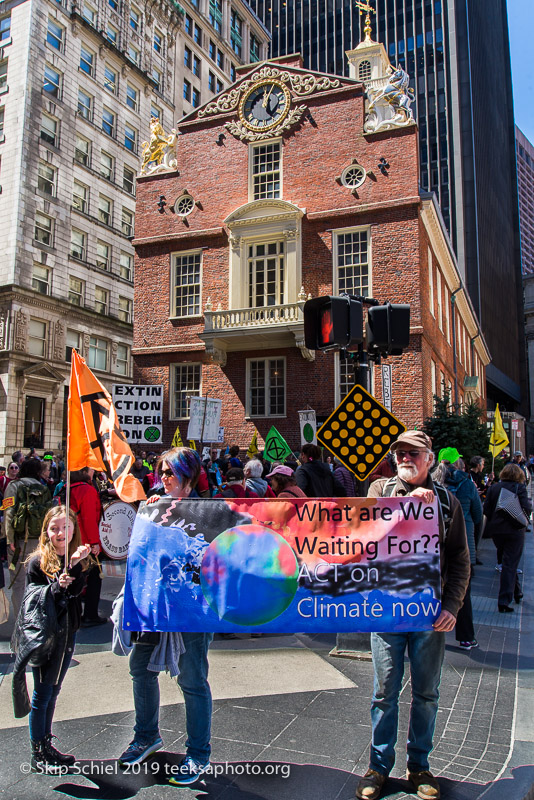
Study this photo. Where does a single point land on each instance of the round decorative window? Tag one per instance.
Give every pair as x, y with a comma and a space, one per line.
184, 205
353, 176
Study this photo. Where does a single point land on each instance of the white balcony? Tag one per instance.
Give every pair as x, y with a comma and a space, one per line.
259, 328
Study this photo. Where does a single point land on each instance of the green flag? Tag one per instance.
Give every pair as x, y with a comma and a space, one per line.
276, 447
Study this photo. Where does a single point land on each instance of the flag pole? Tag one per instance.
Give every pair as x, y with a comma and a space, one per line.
67, 482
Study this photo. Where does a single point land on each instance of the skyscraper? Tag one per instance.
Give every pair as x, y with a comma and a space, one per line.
457, 55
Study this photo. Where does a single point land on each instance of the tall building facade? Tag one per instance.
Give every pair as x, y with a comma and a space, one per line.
457, 55
78, 86
525, 185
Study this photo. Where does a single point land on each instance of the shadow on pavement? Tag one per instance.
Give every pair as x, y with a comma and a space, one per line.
301, 782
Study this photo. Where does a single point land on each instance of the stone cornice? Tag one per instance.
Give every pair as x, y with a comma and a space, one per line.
177, 237
173, 348
364, 208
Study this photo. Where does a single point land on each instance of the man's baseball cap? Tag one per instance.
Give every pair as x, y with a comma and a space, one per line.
450, 454
412, 439
518, 453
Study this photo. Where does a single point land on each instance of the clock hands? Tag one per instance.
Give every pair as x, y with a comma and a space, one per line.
266, 96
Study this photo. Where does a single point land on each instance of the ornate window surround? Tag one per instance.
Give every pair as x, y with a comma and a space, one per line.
263, 221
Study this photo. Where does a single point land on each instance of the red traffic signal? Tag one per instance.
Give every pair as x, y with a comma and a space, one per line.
332, 322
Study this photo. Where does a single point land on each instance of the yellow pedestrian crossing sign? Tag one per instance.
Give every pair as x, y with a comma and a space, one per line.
359, 432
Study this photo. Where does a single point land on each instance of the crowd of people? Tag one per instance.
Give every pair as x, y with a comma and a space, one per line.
37, 531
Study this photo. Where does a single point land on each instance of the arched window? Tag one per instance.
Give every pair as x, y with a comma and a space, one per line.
364, 72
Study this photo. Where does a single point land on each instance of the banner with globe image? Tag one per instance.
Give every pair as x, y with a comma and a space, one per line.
283, 566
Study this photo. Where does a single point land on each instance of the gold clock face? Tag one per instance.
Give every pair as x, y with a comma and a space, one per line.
265, 105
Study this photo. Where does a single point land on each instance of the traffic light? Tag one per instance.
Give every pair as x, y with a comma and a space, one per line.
331, 322
388, 329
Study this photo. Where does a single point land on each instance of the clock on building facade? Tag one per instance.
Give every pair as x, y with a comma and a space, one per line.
265, 105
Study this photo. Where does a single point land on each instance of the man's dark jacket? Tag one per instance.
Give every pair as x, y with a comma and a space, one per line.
316, 479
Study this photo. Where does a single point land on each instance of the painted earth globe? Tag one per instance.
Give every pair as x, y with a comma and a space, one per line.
249, 575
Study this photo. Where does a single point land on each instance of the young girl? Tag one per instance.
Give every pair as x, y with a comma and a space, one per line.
46, 566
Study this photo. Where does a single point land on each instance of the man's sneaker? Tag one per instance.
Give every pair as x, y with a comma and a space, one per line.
189, 771
136, 752
370, 786
425, 784
468, 645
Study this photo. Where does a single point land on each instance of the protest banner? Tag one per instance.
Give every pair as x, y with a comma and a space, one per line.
308, 427
282, 566
140, 412
204, 419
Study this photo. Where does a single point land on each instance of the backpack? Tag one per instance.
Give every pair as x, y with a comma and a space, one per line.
443, 500
31, 504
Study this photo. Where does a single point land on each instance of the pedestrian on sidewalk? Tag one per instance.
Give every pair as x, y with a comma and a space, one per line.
49, 588
178, 470
509, 539
414, 459
450, 472
314, 477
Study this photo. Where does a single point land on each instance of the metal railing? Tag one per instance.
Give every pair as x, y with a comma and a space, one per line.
253, 317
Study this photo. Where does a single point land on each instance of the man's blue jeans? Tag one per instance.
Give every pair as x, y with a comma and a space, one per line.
425, 651
193, 681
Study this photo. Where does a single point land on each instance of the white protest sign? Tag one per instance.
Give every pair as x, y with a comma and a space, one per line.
204, 419
308, 427
205, 453
220, 437
140, 412
386, 386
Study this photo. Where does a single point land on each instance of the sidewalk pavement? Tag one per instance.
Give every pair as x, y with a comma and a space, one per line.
283, 704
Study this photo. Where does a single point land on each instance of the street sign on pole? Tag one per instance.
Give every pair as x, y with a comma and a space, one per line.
386, 386
360, 432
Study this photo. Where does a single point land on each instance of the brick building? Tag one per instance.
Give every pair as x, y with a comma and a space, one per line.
280, 194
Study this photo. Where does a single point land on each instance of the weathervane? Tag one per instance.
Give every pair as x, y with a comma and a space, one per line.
367, 7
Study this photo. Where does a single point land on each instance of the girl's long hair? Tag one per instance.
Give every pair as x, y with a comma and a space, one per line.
50, 562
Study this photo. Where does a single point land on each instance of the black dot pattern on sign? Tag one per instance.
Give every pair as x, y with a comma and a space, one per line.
360, 432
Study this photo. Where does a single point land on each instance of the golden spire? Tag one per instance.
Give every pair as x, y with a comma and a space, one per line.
366, 6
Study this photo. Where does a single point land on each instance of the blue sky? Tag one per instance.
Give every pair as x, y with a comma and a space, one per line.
521, 26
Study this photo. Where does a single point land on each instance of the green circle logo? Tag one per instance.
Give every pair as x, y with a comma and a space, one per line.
152, 434
308, 432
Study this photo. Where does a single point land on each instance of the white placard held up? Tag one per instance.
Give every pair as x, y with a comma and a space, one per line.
386, 386
308, 427
220, 438
140, 412
204, 427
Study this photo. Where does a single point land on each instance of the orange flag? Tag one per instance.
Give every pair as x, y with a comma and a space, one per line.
95, 438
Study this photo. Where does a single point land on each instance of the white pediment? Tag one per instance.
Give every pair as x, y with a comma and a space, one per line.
263, 211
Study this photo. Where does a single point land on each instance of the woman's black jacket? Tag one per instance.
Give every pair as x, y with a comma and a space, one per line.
498, 522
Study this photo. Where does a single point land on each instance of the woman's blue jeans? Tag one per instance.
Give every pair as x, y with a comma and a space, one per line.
44, 699
425, 651
193, 681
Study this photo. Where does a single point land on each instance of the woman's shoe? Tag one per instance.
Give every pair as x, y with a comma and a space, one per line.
506, 609
518, 597
53, 754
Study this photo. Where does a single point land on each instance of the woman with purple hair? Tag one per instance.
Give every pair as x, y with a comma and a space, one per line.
177, 472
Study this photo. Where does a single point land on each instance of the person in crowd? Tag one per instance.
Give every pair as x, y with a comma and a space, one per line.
235, 485
21, 542
346, 478
414, 458
46, 566
178, 470
85, 502
234, 460
13, 471
283, 483
17, 457
45, 476
329, 461
314, 477
139, 471
54, 472
253, 480
386, 469
507, 537
456, 480
476, 473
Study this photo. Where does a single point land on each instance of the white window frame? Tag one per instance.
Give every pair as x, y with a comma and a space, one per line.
44, 280
123, 267
191, 392
49, 231
126, 182
105, 216
34, 338
95, 348
102, 305
82, 246
125, 313
45, 165
174, 257
60, 39
268, 414
439, 297
80, 296
111, 86
124, 224
251, 174
101, 261
335, 245
125, 361
58, 86
91, 65
107, 172
70, 336
83, 205
55, 143
85, 154
132, 102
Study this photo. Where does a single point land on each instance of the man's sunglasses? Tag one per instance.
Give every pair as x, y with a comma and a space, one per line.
412, 453
167, 473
